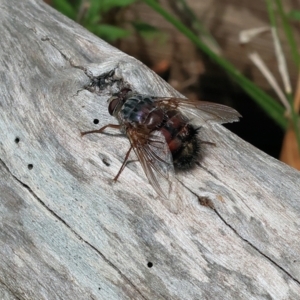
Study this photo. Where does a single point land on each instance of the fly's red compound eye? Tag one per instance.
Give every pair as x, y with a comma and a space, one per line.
112, 106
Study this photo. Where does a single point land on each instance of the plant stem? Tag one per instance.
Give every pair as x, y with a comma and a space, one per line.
289, 33
294, 117
272, 107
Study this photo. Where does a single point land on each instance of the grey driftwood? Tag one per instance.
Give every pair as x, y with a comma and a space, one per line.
67, 232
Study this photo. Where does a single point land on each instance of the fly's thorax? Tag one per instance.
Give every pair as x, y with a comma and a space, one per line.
140, 110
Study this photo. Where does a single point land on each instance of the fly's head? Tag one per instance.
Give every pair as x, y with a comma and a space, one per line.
116, 102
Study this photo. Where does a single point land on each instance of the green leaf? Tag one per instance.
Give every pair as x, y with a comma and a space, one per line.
65, 8
294, 15
147, 30
109, 32
92, 20
144, 27
109, 4
93, 13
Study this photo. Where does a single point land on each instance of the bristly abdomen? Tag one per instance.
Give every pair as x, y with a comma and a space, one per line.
189, 153
182, 140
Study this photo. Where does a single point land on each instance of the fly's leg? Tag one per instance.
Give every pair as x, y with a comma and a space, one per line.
124, 164
115, 126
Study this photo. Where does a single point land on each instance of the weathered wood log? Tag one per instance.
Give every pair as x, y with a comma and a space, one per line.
67, 232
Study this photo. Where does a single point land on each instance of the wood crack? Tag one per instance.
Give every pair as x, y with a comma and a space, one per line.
72, 230
210, 205
3, 283
255, 248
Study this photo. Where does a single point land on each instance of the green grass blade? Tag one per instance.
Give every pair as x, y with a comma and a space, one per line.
271, 106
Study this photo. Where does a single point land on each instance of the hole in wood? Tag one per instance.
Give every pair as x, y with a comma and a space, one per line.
149, 264
206, 202
96, 121
106, 162
17, 140
30, 166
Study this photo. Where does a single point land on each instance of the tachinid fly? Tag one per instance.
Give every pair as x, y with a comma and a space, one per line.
161, 133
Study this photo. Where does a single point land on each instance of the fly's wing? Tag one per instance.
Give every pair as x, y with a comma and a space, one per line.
156, 159
203, 112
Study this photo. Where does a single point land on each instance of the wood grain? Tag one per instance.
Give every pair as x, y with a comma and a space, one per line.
68, 232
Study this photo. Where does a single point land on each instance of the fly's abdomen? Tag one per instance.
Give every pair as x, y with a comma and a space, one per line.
182, 140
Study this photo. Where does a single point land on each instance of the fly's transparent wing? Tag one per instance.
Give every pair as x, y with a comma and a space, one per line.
202, 112
157, 162
155, 158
